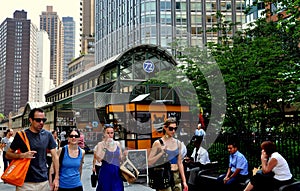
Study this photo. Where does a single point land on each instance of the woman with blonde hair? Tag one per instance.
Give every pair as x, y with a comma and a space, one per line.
172, 147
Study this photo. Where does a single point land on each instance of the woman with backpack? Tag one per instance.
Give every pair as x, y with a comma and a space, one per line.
71, 159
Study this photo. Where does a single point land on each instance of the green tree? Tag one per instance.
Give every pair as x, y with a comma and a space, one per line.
260, 66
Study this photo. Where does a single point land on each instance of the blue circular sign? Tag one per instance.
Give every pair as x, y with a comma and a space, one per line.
148, 66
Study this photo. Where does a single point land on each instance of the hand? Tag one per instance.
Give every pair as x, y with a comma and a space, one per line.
29, 154
264, 155
163, 148
55, 184
226, 179
185, 187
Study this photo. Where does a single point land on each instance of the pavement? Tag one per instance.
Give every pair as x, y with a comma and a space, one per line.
86, 180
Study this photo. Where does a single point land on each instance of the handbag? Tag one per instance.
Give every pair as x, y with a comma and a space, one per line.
94, 179
129, 172
255, 170
16, 172
161, 176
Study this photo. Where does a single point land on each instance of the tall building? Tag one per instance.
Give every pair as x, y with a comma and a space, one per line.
87, 23
43, 82
51, 23
121, 24
256, 10
18, 62
69, 44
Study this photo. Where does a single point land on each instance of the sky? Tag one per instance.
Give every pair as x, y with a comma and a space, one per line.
34, 8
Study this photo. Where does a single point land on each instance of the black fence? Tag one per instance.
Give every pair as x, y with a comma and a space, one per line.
288, 145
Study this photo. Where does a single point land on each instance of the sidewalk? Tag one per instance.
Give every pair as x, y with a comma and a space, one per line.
131, 187
137, 187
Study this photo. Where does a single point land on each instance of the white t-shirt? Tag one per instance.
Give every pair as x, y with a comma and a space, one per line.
202, 156
183, 150
281, 170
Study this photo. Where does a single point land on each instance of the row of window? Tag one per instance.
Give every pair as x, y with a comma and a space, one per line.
83, 86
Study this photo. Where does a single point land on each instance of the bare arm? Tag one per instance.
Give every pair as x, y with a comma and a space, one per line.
55, 162
228, 173
267, 166
155, 153
121, 152
94, 162
11, 154
181, 169
100, 152
82, 161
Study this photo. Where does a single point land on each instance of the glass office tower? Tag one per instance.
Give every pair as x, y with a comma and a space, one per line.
122, 24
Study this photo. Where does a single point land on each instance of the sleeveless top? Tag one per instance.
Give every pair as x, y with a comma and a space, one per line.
69, 175
281, 170
173, 154
112, 157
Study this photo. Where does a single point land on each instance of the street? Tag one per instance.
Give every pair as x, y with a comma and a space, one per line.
86, 181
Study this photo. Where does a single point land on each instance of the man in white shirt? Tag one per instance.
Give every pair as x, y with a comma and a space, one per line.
199, 158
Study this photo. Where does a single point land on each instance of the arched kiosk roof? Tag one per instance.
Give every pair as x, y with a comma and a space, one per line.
137, 64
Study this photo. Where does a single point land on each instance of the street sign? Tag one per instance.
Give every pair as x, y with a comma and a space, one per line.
148, 66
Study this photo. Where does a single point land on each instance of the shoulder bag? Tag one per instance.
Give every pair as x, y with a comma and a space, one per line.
16, 172
161, 176
129, 172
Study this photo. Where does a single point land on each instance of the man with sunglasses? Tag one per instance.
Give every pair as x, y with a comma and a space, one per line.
39, 140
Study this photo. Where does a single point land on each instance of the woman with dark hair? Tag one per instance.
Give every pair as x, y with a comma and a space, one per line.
271, 162
172, 147
109, 152
71, 164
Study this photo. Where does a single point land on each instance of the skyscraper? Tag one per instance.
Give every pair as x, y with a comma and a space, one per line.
51, 23
88, 26
69, 44
121, 24
18, 62
43, 82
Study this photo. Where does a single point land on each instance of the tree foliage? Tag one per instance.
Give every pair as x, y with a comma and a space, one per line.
260, 67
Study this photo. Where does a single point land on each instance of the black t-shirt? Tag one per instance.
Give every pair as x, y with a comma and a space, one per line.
39, 142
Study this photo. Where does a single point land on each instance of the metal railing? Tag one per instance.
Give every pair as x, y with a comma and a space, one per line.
288, 145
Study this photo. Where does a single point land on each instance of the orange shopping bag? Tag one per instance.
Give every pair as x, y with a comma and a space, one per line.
16, 172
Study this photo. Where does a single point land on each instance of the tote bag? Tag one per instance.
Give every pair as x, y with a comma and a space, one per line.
16, 172
129, 171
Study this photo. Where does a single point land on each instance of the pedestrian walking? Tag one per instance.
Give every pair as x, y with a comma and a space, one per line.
1, 160
109, 152
172, 147
7, 140
96, 163
71, 162
39, 140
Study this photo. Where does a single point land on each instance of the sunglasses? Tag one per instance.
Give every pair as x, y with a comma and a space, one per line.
172, 128
74, 136
40, 119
